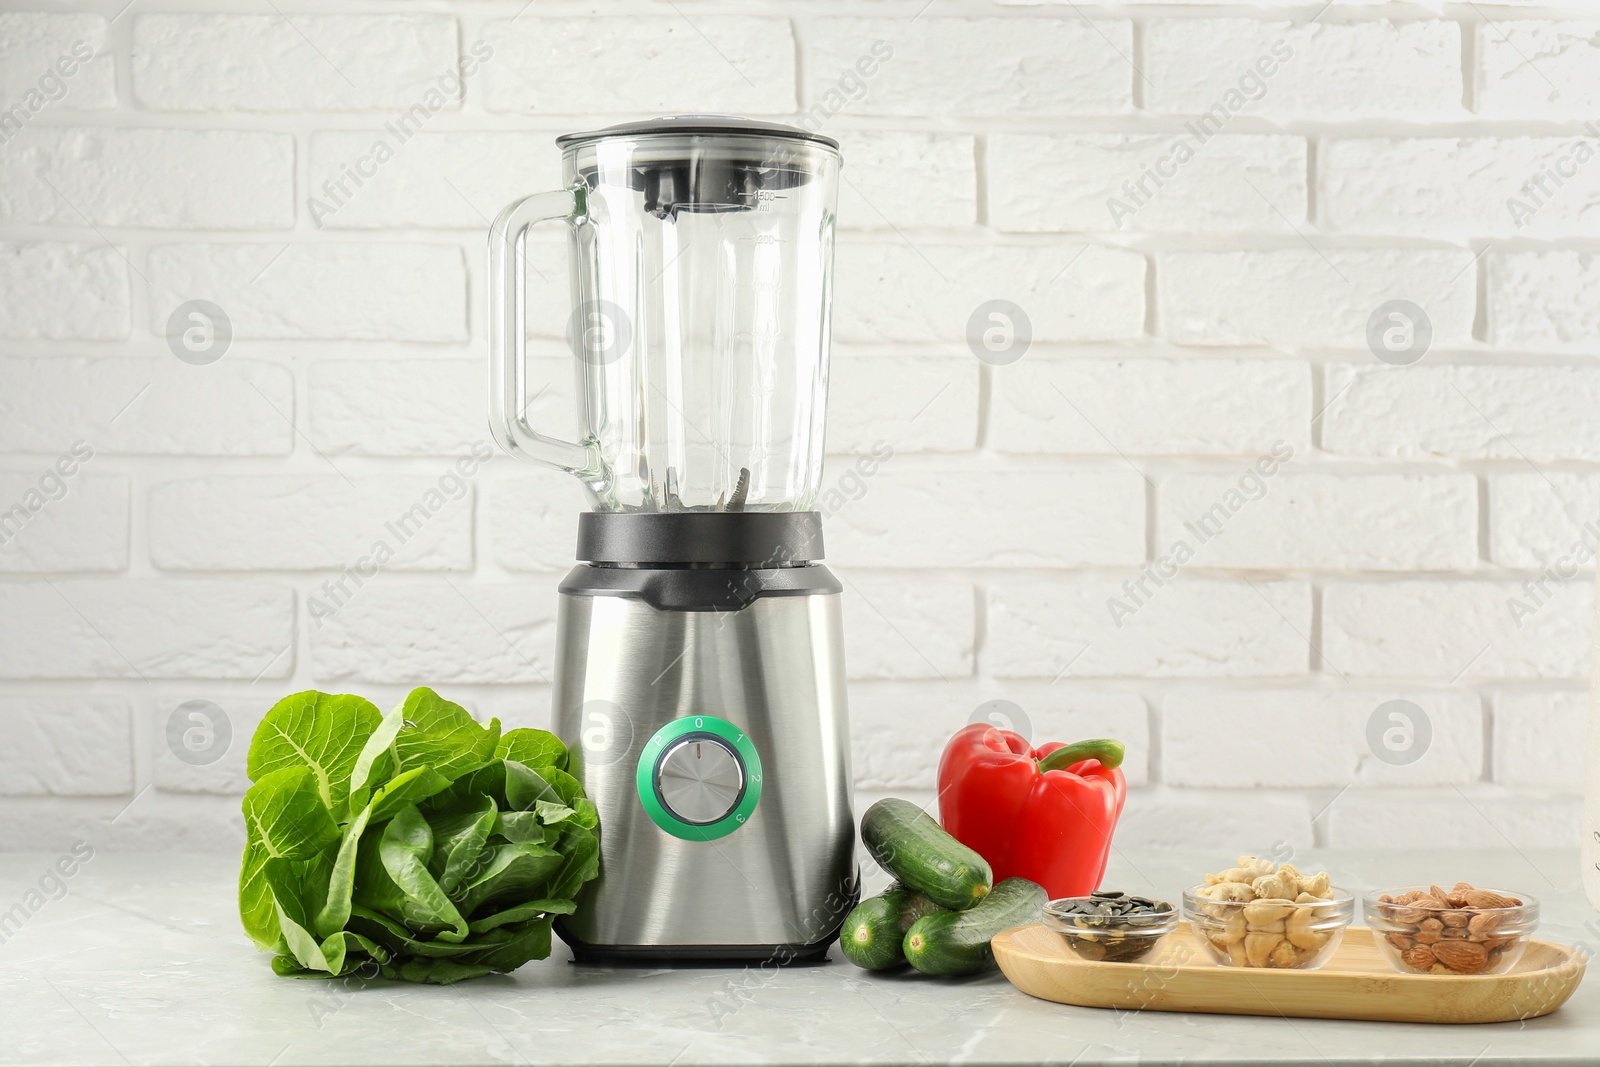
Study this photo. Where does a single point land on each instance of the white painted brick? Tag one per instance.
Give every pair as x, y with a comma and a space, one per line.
1540, 519
665, 64
1469, 819
1475, 411
445, 632
62, 60
1303, 296
1410, 522
1458, 186
901, 180
549, 294
409, 292
967, 518
1325, 70
150, 406
295, 62
315, 522
1543, 301
1287, 739
1224, 822
1538, 69
911, 403
63, 291
1540, 739
908, 629
372, 179
156, 822
1192, 627
226, 773
1457, 629
397, 407
945, 66
58, 518
887, 756
1109, 181
897, 291
70, 746
146, 629
173, 179
533, 521
410, 407
1151, 406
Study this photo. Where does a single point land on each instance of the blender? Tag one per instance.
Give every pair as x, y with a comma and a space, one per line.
699, 676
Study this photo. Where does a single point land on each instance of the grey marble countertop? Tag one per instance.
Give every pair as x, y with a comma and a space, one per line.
143, 962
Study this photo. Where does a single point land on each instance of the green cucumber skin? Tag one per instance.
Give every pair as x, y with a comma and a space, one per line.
957, 942
913, 905
873, 935
912, 846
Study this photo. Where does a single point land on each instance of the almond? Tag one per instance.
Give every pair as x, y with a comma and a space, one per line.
1455, 918
1482, 924
1431, 902
1399, 940
1419, 956
1484, 898
1427, 937
1463, 957
1431, 925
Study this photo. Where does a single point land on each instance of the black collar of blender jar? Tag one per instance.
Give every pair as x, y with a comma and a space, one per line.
706, 538
707, 125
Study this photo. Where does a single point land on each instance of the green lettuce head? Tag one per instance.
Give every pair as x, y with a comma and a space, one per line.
419, 843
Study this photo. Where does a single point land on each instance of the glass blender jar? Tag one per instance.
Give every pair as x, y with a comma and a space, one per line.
699, 679
703, 262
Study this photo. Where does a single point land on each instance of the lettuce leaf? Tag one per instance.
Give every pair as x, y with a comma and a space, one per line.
421, 844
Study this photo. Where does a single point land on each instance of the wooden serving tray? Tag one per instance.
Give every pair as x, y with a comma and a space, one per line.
1356, 983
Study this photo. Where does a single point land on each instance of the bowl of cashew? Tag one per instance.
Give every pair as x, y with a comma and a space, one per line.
1259, 915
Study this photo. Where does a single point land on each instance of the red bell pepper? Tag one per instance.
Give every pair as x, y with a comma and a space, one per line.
1044, 814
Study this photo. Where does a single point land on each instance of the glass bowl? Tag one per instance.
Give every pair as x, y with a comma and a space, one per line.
1269, 933
1110, 937
1436, 936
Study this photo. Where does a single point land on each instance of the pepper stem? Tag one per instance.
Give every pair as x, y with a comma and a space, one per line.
1107, 751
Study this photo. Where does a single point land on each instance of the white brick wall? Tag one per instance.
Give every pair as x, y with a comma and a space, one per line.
1199, 207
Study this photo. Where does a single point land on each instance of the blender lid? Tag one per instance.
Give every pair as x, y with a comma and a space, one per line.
708, 125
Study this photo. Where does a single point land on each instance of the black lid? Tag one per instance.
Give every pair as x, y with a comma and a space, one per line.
709, 125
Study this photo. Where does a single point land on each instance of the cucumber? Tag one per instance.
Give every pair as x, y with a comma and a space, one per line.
957, 942
914, 848
874, 932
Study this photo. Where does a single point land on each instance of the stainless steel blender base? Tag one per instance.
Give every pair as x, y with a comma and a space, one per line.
715, 744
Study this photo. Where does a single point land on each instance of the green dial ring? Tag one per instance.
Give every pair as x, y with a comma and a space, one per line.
650, 758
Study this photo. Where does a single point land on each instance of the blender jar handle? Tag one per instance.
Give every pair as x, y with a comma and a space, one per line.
508, 416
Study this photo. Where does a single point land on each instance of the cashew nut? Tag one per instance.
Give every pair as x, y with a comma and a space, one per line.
1283, 955
1281, 884
1276, 924
1299, 930
1233, 927
1266, 910
1258, 947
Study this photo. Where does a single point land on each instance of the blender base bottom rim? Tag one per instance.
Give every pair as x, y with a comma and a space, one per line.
698, 955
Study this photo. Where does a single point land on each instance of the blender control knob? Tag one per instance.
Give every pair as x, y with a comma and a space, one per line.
700, 780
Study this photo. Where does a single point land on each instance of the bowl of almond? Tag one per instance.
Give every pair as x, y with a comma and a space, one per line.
1423, 929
